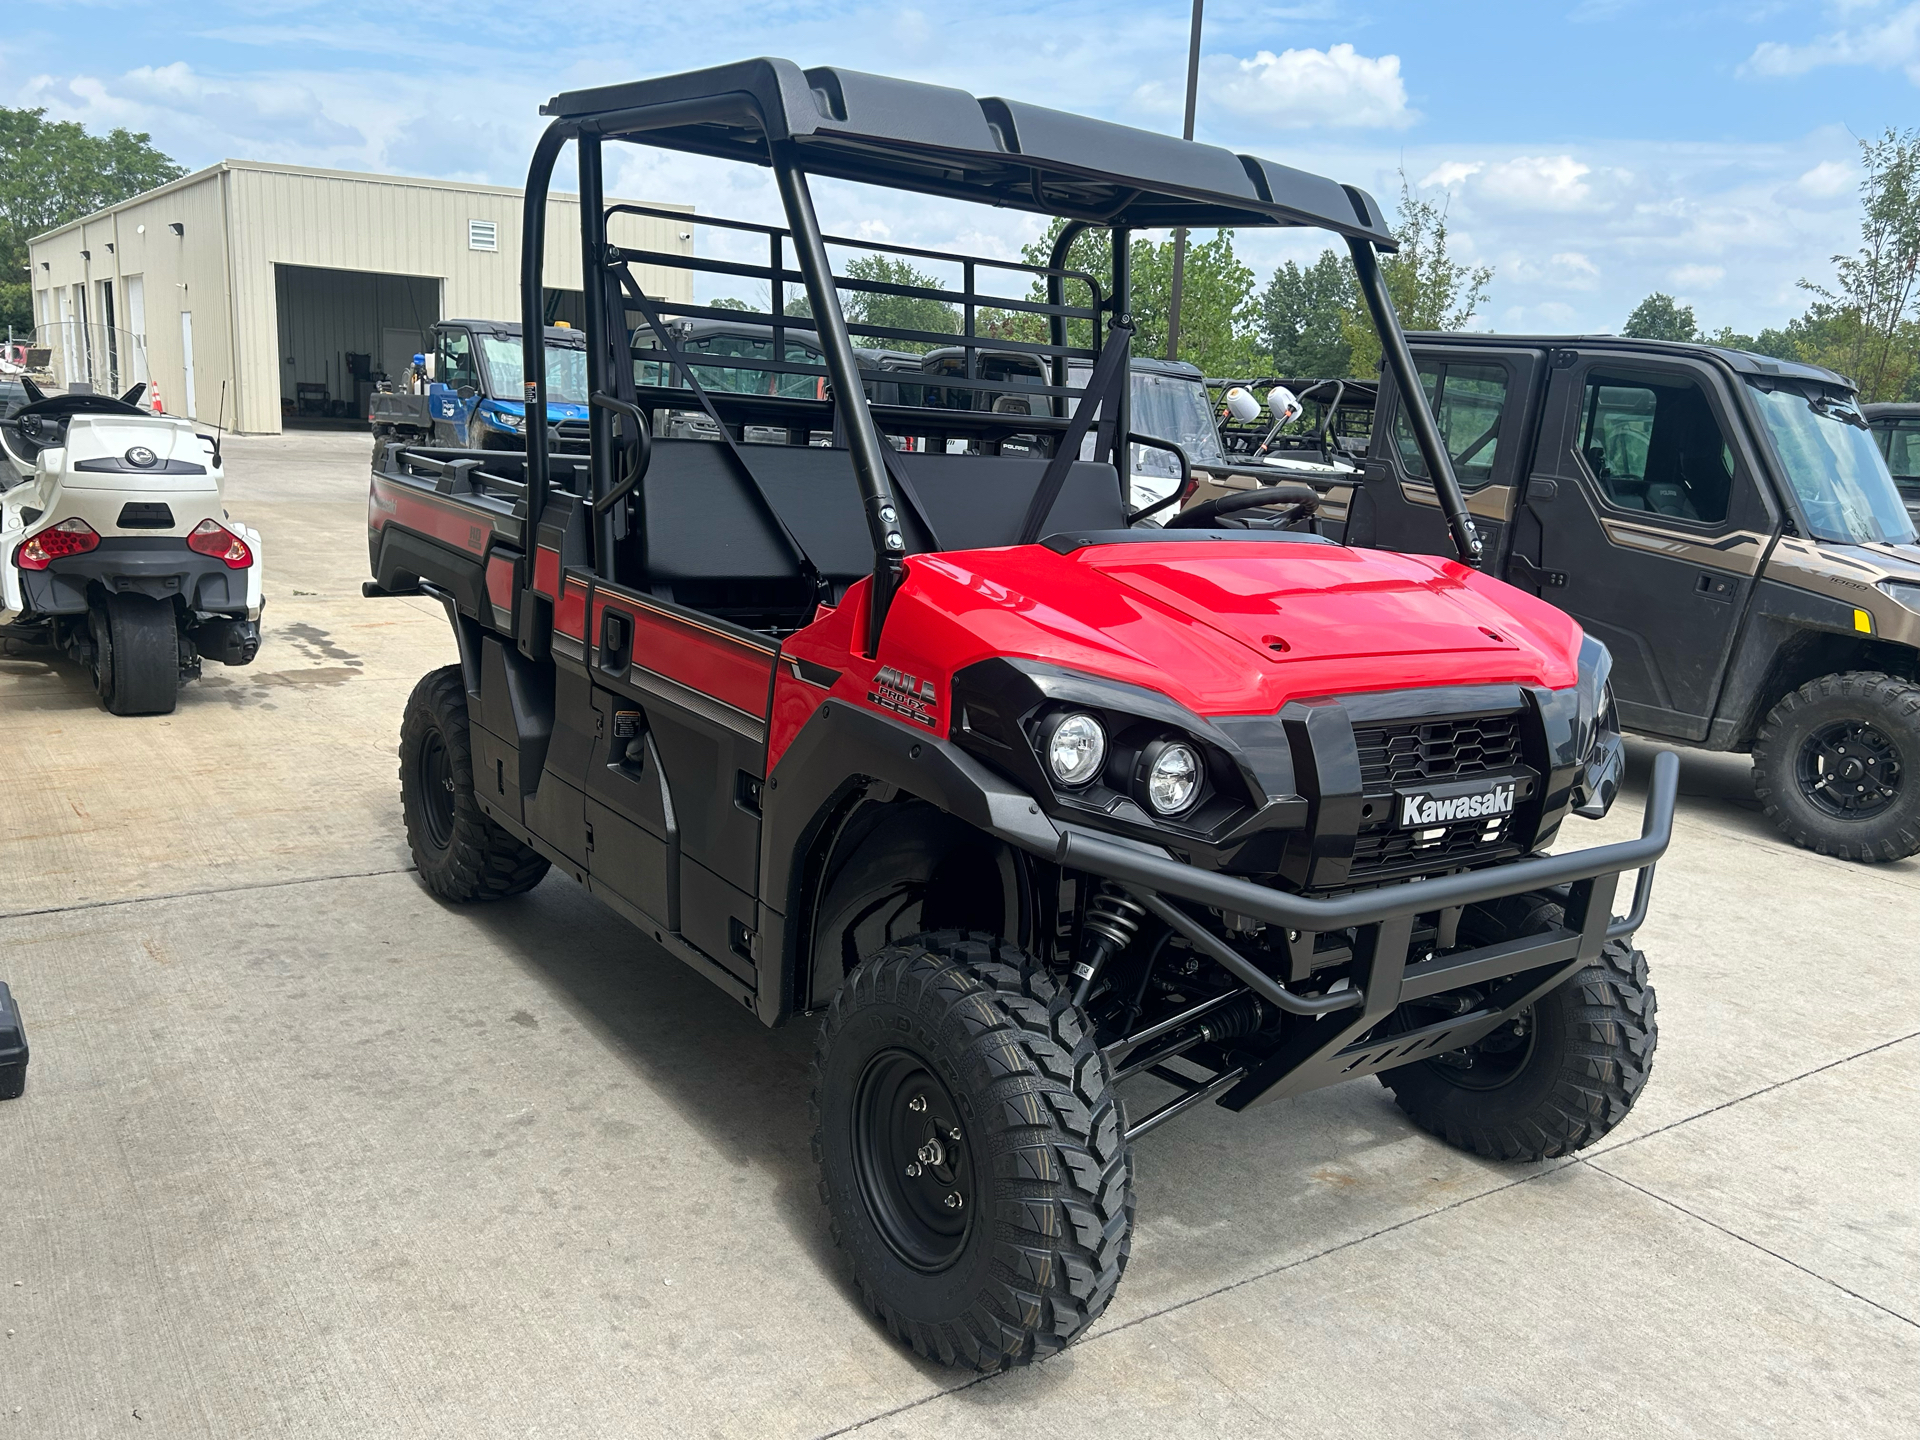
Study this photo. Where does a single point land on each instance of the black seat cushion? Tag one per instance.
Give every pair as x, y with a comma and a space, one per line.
703, 522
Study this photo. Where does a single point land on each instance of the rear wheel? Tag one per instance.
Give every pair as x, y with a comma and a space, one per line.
461, 854
1557, 1077
1837, 765
972, 1151
136, 665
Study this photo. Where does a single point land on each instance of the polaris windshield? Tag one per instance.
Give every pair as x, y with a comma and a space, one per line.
1835, 468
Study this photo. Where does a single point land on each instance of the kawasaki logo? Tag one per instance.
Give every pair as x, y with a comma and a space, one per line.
1422, 810
906, 695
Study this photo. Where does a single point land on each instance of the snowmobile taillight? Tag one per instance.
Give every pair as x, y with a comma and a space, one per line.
210, 537
69, 537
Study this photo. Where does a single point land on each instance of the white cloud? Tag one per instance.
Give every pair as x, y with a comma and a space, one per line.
1828, 179
1537, 182
1697, 277
1886, 43
1337, 86
1450, 174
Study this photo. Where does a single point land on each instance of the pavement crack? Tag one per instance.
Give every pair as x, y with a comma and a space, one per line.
1747, 1240
210, 890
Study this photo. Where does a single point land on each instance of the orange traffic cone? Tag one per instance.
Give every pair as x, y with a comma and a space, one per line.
154, 391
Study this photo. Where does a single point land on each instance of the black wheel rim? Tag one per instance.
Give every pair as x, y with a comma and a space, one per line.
1849, 770
1492, 1061
435, 773
912, 1161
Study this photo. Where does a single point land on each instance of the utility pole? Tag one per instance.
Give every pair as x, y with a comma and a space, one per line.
1180, 235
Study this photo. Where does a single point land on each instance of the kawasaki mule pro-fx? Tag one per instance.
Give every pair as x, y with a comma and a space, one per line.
1039, 803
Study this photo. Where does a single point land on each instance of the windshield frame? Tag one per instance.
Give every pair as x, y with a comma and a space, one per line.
1759, 392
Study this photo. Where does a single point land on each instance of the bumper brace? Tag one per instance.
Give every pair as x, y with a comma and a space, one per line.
1330, 1037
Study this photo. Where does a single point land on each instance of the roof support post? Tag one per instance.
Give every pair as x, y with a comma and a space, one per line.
1123, 402
849, 398
593, 286
533, 334
1413, 400
1057, 295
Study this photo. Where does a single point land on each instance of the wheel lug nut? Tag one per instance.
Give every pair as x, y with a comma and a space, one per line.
954, 1202
917, 1104
953, 1132
913, 1169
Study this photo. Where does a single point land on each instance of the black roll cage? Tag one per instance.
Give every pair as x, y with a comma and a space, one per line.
930, 140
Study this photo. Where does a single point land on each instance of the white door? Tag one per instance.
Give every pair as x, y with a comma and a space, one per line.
137, 329
186, 360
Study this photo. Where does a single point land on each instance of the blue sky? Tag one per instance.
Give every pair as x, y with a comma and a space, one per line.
1589, 150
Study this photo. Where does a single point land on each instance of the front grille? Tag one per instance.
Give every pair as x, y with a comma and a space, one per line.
1403, 754
570, 437
1408, 751
1442, 848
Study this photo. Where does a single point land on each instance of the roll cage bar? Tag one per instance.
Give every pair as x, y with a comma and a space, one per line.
932, 140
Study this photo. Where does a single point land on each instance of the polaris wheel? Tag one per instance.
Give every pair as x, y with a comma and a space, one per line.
136, 665
461, 854
1555, 1079
1837, 765
972, 1151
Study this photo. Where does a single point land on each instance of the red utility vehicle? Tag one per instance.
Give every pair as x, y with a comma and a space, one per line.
912, 723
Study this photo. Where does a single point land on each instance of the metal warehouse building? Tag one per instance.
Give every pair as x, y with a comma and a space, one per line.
295, 287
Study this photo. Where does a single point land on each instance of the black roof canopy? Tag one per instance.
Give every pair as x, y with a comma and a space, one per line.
935, 140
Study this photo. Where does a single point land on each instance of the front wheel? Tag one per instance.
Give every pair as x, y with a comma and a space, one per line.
1837, 766
460, 852
972, 1151
136, 665
1557, 1077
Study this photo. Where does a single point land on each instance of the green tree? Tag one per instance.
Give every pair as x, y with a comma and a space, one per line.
896, 312
1302, 317
1661, 317
54, 172
1219, 315
1430, 289
1869, 319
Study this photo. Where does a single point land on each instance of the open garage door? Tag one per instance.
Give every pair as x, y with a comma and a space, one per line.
343, 330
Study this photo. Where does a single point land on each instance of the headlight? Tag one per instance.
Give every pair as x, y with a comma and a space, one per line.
506, 421
1076, 747
1907, 593
1172, 776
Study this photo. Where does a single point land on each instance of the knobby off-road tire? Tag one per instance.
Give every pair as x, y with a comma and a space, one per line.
136, 665
1584, 1058
961, 1032
461, 854
1805, 738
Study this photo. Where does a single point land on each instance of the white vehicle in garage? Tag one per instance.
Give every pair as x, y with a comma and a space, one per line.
116, 546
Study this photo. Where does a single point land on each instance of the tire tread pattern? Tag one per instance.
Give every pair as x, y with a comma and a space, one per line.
1061, 1171
1775, 760
483, 862
1612, 1032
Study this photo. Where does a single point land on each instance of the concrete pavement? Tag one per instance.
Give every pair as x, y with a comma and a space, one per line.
306, 1153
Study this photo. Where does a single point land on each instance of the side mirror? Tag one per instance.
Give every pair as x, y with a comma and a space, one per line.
466, 392
1283, 405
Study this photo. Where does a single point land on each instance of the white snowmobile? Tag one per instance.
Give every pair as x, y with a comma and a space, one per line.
115, 546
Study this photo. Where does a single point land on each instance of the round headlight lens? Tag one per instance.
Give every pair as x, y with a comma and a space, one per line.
1173, 779
1076, 749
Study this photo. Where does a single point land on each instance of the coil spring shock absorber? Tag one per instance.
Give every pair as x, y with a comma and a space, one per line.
1108, 927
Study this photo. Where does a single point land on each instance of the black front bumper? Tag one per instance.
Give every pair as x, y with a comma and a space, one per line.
160, 566
1334, 1036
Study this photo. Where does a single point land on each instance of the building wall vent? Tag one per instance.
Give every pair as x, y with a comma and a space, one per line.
483, 235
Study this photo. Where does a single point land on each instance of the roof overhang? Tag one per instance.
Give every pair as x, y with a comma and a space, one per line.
935, 140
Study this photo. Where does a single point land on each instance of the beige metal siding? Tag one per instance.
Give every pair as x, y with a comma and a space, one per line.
242, 220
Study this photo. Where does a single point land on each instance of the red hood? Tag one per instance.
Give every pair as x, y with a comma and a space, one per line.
1203, 623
